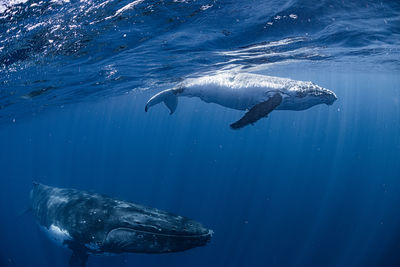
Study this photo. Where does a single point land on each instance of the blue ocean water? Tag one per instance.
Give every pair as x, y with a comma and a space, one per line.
319, 187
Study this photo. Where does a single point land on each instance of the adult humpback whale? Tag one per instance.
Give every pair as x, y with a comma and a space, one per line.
89, 223
258, 94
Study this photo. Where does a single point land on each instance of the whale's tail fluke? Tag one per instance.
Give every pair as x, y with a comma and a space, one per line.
169, 97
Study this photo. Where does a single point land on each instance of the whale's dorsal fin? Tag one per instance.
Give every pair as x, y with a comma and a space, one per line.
259, 111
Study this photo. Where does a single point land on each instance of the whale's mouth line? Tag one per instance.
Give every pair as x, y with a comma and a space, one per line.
209, 233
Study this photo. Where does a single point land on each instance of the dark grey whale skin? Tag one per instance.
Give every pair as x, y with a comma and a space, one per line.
99, 224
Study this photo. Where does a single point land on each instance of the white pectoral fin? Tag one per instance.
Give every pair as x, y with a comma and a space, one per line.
169, 98
259, 111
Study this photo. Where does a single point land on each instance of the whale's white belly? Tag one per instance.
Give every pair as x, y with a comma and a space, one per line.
235, 98
57, 234
241, 91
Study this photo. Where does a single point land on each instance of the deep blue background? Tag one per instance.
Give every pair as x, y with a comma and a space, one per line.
318, 187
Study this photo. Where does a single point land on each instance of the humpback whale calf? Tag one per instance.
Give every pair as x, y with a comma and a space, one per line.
257, 94
89, 223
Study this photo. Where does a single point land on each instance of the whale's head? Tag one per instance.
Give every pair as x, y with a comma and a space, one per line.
308, 94
147, 230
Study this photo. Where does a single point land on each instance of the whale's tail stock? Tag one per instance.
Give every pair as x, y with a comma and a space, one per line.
169, 97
